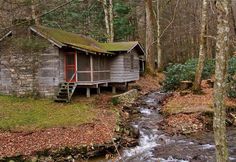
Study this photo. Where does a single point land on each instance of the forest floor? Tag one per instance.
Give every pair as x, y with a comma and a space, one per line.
28, 125
188, 113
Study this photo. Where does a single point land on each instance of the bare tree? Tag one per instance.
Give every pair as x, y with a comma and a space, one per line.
222, 49
33, 10
108, 11
111, 21
159, 54
149, 36
202, 52
104, 4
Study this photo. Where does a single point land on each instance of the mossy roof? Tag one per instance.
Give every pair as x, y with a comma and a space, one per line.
64, 38
119, 46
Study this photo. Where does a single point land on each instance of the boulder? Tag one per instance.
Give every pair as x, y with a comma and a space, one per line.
127, 97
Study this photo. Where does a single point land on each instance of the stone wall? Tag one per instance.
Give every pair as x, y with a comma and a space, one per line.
25, 73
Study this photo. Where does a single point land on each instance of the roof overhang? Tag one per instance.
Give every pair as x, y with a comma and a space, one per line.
139, 45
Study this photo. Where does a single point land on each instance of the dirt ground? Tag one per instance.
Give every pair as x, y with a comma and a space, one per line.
191, 113
149, 83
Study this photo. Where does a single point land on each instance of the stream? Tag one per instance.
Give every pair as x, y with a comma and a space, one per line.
155, 145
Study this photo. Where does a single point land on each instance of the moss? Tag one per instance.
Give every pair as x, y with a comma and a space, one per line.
118, 46
17, 114
72, 39
30, 44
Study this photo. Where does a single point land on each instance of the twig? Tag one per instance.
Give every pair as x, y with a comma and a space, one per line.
50, 11
172, 20
210, 36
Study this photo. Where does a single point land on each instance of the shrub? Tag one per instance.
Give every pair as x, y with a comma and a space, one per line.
180, 72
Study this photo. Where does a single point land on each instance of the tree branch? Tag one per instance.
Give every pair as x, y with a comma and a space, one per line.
172, 20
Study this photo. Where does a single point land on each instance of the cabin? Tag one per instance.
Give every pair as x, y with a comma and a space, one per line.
57, 62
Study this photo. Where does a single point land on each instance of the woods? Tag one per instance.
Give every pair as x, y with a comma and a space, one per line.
60, 49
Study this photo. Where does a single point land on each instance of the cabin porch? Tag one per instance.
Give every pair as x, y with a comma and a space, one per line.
83, 70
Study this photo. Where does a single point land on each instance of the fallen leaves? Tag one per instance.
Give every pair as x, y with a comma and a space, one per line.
25, 143
183, 124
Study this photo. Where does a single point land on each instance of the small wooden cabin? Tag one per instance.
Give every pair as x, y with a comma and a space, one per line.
69, 61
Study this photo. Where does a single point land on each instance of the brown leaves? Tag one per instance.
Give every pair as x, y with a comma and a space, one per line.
98, 132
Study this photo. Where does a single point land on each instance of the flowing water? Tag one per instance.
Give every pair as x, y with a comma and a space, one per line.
155, 145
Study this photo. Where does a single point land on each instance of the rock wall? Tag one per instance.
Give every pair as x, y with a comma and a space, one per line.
25, 73
127, 97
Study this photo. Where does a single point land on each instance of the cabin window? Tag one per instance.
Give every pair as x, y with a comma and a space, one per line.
132, 61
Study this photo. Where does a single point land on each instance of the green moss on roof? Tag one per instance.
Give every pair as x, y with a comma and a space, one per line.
71, 39
119, 46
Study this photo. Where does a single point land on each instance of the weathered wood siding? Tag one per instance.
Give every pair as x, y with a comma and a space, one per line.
131, 72
50, 72
117, 68
123, 69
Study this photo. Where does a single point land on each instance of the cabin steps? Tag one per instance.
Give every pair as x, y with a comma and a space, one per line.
65, 92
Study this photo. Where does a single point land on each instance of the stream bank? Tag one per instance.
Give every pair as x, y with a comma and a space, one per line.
155, 144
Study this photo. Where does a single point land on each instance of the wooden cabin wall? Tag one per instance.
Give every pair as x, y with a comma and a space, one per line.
121, 70
117, 68
131, 66
50, 71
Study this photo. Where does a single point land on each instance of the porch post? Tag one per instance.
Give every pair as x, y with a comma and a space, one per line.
98, 90
76, 66
87, 92
113, 89
91, 67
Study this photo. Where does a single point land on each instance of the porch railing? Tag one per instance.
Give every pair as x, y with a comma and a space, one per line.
91, 75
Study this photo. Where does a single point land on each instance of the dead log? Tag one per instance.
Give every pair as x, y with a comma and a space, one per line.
186, 85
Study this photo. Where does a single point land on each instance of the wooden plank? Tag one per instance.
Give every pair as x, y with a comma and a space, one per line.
91, 67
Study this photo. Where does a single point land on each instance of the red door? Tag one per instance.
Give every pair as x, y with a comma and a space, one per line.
70, 66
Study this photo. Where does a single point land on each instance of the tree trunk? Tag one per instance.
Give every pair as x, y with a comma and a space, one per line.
33, 13
233, 4
159, 54
104, 3
202, 52
222, 48
150, 59
111, 21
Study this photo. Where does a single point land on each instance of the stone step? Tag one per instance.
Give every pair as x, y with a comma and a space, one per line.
61, 100
64, 93
62, 97
65, 89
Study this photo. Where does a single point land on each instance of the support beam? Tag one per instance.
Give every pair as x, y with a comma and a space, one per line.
88, 92
98, 90
126, 86
91, 67
113, 89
